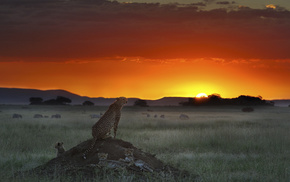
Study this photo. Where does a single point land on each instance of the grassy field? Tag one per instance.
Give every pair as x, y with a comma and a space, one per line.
217, 143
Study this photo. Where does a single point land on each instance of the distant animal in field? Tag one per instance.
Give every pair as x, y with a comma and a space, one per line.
248, 109
38, 116
59, 148
162, 116
155, 116
16, 116
147, 114
108, 121
94, 116
56, 116
183, 117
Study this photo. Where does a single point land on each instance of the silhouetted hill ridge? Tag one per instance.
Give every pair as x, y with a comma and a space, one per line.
20, 96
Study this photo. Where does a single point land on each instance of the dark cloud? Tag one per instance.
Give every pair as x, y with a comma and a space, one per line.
209, 1
97, 28
198, 4
223, 2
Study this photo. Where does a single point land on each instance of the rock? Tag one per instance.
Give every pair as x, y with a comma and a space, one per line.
72, 165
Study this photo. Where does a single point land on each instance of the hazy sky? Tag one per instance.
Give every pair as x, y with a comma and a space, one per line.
109, 49
216, 3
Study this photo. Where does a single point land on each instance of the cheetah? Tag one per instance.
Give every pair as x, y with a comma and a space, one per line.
108, 121
104, 162
60, 149
129, 156
130, 160
103, 157
143, 166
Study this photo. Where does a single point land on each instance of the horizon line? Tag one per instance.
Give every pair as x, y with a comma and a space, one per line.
59, 89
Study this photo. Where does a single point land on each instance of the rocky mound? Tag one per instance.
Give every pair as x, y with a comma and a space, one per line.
72, 166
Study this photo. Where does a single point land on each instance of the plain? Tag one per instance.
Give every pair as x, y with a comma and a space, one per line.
216, 143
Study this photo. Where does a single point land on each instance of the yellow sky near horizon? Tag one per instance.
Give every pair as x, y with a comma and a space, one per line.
153, 79
145, 50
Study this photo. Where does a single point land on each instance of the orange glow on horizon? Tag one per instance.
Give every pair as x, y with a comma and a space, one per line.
98, 50
153, 79
271, 6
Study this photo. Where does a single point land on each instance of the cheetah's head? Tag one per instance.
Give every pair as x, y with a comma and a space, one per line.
122, 100
102, 156
58, 145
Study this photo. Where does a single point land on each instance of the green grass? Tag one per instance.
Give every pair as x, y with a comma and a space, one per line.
217, 143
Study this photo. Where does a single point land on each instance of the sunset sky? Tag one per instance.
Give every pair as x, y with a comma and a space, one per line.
102, 48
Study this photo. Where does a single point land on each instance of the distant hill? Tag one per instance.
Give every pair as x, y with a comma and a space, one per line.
21, 96
167, 101
281, 103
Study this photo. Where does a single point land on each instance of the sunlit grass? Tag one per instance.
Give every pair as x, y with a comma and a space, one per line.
219, 144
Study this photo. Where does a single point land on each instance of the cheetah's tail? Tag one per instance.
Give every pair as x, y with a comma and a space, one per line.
89, 149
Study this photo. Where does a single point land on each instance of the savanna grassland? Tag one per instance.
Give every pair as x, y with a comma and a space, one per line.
216, 143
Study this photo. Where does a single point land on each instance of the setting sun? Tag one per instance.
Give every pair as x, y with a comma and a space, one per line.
200, 95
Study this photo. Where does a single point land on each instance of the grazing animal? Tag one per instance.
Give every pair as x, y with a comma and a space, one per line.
183, 117
60, 149
38, 116
162, 116
56, 116
108, 121
16, 116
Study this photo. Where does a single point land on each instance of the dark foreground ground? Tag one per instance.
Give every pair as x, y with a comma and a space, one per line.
73, 167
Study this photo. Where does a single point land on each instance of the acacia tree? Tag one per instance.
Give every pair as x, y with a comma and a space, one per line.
88, 103
35, 100
141, 103
60, 100
63, 100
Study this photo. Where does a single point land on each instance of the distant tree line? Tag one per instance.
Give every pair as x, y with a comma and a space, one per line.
140, 102
60, 100
215, 99
88, 103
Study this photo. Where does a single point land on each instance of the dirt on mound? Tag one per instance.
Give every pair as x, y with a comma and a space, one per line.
72, 166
